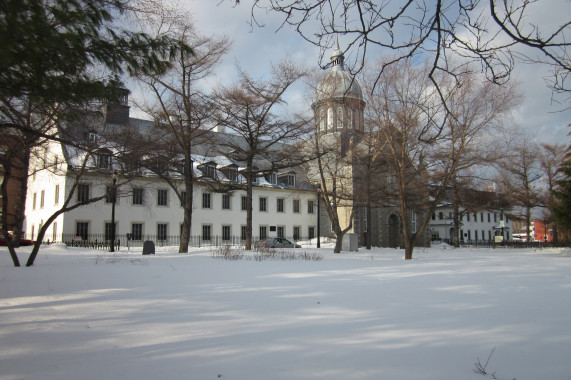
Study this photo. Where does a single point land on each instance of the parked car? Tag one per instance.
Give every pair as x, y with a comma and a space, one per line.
277, 242
22, 241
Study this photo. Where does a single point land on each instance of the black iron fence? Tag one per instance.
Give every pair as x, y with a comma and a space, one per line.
508, 244
100, 241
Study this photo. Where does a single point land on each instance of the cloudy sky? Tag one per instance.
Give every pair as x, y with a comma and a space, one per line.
255, 48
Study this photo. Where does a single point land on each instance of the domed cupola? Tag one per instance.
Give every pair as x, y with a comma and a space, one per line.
338, 104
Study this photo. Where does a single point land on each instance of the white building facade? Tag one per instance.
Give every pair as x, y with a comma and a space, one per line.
147, 208
481, 226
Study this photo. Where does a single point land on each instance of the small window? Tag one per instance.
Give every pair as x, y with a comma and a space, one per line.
280, 205
162, 197
206, 229
182, 198
281, 231
263, 204
109, 194
225, 201
244, 203
263, 232
440, 215
137, 231
296, 232
226, 233
81, 229
42, 198
296, 206
82, 192
34, 196
243, 232
211, 171
310, 205
138, 196
56, 197
162, 231
205, 200
311, 232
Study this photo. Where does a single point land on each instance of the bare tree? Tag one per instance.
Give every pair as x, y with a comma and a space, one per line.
551, 157
331, 173
182, 110
250, 108
427, 143
492, 34
519, 176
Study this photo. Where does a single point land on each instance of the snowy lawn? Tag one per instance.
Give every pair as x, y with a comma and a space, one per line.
81, 314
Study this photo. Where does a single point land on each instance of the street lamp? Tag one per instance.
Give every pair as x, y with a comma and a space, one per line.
318, 219
113, 200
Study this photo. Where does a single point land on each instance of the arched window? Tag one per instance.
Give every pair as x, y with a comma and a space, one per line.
339, 118
322, 120
330, 119
349, 119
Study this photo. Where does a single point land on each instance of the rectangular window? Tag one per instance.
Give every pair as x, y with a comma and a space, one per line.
280, 205
475, 235
440, 215
182, 197
244, 203
225, 201
109, 231
490, 235
475, 217
311, 232
469, 235
433, 216
263, 204
467, 216
162, 231
137, 231
226, 233
56, 197
42, 198
489, 218
310, 207
82, 192
206, 232
263, 232
296, 232
495, 217
54, 232
162, 197
281, 231
243, 232
296, 206
81, 230
483, 234
138, 196
109, 194
482, 219
205, 200
34, 196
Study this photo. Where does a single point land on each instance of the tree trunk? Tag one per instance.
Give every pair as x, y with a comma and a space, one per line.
187, 221
338, 242
249, 206
22, 177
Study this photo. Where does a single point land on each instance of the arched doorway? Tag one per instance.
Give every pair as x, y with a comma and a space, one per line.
394, 231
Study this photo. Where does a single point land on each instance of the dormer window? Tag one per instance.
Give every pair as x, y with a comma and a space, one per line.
272, 178
104, 159
288, 179
92, 136
210, 171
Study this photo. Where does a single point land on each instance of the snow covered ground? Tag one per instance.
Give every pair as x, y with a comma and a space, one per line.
80, 314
